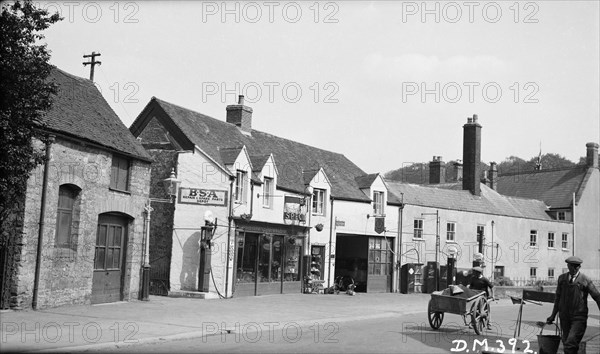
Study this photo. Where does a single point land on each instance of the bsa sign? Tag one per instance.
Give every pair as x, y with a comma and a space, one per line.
292, 210
202, 196
379, 224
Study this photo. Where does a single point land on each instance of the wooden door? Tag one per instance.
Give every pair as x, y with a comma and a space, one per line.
111, 238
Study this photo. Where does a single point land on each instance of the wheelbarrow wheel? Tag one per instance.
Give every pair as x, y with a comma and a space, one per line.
435, 318
478, 316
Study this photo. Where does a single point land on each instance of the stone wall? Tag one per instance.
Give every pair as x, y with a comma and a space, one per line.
66, 275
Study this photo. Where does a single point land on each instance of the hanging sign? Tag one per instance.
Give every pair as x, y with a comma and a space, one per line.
292, 210
379, 224
201, 196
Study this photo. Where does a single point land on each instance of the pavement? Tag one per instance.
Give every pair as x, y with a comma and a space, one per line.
119, 325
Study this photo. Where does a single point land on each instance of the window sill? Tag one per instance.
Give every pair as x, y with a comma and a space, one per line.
552, 248
452, 242
119, 191
318, 214
418, 239
565, 250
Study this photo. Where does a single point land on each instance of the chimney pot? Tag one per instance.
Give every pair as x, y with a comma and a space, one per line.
241, 99
437, 171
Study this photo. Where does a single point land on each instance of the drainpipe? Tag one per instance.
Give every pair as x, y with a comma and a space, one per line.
38, 258
230, 219
573, 224
251, 197
331, 226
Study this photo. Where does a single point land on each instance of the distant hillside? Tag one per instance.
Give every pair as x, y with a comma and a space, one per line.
418, 173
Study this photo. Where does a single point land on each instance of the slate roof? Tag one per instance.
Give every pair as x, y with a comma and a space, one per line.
211, 135
366, 181
80, 111
449, 197
555, 187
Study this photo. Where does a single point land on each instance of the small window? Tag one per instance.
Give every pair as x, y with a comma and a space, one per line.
565, 240
418, 228
533, 272
550, 273
480, 237
562, 215
240, 186
378, 203
550, 239
533, 238
268, 193
119, 176
318, 202
67, 217
450, 231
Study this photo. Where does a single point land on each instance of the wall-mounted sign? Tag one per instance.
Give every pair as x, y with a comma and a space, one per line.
379, 224
293, 212
340, 223
203, 196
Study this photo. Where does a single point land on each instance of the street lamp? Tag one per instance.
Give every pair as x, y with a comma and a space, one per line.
171, 185
437, 245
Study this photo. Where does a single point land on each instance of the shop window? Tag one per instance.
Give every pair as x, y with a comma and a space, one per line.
418, 228
268, 192
550, 239
268, 258
317, 255
67, 217
378, 203
318, 202
450, 231
119, 174
498, 271
241, 182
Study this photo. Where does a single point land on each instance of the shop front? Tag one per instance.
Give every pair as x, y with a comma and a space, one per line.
268, 258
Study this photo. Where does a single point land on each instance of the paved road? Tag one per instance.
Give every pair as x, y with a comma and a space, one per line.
394, 333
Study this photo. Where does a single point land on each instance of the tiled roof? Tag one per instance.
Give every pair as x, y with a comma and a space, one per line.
366, 181
448, 196
229, 155
555, 187
211, 135
80, 111
258, 162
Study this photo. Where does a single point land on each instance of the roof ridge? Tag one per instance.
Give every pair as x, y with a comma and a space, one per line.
556, 169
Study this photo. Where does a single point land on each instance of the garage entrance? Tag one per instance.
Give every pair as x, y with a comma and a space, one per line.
367, 259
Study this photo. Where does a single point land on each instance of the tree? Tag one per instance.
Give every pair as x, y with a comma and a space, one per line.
25, 94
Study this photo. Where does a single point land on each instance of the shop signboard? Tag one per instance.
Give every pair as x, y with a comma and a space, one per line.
202, 196
293, 212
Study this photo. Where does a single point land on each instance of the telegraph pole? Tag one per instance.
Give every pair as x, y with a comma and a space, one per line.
92, 62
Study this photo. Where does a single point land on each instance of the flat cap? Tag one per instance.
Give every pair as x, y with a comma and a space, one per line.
477, 269
574, 260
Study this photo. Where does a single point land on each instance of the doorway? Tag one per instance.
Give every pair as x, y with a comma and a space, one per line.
111, 241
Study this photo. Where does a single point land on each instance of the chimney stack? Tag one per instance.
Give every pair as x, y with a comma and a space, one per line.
437, 171
240, 115
493, 175
591, 158
472, 156
458, 172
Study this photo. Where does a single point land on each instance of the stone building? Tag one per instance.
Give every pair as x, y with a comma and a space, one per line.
86, 205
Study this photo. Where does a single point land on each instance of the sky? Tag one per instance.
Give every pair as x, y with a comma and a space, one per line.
386, 83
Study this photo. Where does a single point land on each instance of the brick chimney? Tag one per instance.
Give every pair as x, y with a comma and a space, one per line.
493, 175
472, 156
240, 115
591, 158
457, 172
437, 171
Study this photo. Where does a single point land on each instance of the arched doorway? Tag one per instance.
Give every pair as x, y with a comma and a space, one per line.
109, 258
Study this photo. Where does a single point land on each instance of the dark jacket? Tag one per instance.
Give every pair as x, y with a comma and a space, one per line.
571, 298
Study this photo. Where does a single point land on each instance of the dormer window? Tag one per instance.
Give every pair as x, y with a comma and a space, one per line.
240, 186
268, 192
378, 203
318, 202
